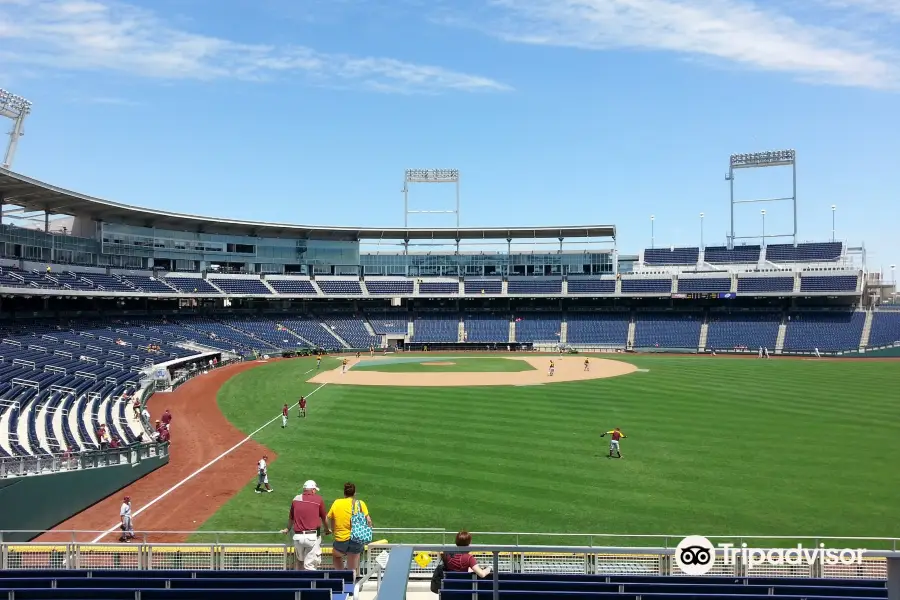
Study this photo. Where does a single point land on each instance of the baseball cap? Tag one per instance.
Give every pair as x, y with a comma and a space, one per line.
310, 485
127, 498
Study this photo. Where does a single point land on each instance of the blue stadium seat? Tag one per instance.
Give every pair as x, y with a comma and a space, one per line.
591, 285
241, 285
667, 330
720, 255
290, 286
538, 327
436, 327
829, 331
689, 285
750, 285
487, 286
340, 287
389, 287
487, 327
811, 252
671, 256
742, 330
832, 283
438, 288
649, 286
598, 327
536, 286
885, 328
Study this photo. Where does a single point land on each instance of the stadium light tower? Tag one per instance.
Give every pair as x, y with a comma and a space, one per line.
429, 176
833, 208
755, 160
15, 108
763, 213
652, 219
701, 230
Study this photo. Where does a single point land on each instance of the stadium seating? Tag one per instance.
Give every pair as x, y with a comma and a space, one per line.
241, 285
541, 586
389, 287
671, 256
832, 283
648, 286
340, 287
721, 255
40, 584
538, 327
313, 331
351, 329
829, 331
436, 327
667, 330
689, 285
292, 286
191, 285
752, 285
598, 327
438, 288
885, 328
488, 286
591, 285
742, 330
811, 252
390, 323
535, 286
487, 327
148, 284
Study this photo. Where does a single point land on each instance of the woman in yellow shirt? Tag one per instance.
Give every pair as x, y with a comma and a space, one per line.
339, 519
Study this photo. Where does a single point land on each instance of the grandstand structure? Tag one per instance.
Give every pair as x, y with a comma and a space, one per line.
125, 295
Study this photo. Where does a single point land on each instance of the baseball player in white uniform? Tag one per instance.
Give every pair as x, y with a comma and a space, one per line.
126, 526
262, 475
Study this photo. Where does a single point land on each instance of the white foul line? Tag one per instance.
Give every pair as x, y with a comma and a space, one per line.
201, 469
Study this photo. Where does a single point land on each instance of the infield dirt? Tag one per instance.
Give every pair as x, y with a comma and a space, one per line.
570, 368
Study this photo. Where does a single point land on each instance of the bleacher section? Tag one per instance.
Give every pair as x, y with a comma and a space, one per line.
389, 287
535, 286
489, 328
299, 287
438, 288
667, 330
340, 287
598, 327
389, 323
721, 255
647, 286
885, 328
765, 285
689, 285
538, 327
591, 285
186, 584
147, 284
809, 253
671, 256
748, 330
241, 285
546, 586
489, 286
830, 331
832, 283
191, 285
351, 329
436, 327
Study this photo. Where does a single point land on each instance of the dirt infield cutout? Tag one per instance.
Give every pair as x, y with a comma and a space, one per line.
569, 368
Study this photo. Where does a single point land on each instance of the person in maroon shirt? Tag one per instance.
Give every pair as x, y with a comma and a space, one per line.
307, 514
464, 562
302, 405
284, 415
167, 417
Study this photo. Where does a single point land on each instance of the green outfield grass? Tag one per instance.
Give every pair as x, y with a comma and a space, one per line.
484, 364
715, 446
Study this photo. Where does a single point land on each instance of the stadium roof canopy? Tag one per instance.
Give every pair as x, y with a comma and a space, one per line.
35, 195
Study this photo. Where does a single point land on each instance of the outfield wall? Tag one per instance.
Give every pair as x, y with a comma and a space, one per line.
35, 503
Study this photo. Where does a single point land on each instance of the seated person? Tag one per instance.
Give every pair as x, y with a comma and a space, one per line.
464, 562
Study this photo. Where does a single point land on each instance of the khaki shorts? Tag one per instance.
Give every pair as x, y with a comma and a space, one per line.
308, 550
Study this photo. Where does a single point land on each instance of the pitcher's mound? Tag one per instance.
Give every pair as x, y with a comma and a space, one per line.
567, 369
438, 364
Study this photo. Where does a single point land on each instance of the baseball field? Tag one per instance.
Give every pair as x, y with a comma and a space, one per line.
715, 445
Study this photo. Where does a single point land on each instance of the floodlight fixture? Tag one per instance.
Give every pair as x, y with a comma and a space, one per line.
429, 176
15, 108
770, 158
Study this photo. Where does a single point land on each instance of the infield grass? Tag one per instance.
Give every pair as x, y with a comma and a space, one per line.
426, 364
715, 446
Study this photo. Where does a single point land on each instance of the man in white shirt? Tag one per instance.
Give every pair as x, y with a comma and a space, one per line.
262, 475
125, 516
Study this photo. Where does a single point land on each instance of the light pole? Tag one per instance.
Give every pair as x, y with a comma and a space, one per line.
833, 208
652, 218
763, 213
701, 230
893, 279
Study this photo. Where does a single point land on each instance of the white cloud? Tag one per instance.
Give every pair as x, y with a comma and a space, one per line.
741, 32
101, 35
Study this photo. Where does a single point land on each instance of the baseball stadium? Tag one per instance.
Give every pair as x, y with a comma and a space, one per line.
168, 382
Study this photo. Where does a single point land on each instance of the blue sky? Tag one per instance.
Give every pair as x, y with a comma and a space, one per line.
555, 111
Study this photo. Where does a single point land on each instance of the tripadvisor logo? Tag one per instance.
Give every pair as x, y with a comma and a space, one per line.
696, 555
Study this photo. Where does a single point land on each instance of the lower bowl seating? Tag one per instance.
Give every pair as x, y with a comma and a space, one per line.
522, 586
169, 585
